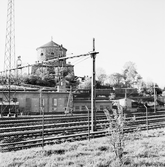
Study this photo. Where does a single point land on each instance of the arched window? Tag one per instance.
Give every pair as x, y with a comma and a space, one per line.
42, 54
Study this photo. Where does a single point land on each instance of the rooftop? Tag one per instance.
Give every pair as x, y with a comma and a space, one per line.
51, 44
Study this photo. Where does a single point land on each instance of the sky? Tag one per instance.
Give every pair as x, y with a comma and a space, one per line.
124, 30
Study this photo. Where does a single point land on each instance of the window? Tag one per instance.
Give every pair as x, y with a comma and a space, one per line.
42, 54
77, 108
89, 107
107, 107
54, 109
54, 102
42, 102
52, 53
101, 107
83, 108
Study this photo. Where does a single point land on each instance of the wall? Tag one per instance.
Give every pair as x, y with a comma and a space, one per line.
48, 53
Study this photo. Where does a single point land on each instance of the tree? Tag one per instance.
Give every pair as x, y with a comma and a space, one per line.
71, 80
116, 80
49, 76
130, 75
147, 89
116, 127
44, 81
101, 75
86, 84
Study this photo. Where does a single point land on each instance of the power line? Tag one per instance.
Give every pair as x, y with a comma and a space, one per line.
77, 60
81, 61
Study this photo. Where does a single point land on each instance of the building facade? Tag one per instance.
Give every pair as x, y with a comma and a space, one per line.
79, 106
30, 102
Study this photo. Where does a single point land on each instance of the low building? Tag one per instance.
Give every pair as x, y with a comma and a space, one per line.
30, 102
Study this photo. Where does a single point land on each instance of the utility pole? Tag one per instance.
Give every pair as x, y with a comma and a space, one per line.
42, 112
93, 92
125, 100
146, 117
154, 99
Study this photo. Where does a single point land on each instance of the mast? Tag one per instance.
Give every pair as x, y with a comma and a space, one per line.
93, 90
9, 56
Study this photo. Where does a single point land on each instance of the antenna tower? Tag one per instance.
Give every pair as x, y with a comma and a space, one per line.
9, 57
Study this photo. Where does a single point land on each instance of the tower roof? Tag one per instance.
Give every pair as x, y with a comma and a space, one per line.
51, 44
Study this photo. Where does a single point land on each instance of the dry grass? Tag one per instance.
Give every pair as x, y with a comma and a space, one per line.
148, 150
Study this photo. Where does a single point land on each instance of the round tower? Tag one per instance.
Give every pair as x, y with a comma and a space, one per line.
50, 50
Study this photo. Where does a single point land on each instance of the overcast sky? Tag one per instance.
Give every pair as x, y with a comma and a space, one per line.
124, 30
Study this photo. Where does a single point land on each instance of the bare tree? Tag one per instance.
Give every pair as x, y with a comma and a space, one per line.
115, 79
101, 75
130, 75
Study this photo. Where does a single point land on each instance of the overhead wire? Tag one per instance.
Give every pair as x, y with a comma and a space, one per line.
77, 60
81, 61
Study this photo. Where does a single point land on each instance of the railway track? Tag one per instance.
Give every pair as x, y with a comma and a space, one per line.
37, 121
47, 126
73, 137
20, 137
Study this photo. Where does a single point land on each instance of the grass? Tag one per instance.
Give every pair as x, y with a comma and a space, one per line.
147, 150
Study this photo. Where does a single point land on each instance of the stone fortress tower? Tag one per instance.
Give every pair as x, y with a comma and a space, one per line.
52, 50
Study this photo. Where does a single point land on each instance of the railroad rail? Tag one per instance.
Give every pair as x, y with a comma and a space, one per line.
20, 137
73, 137
34, 122
25, 117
